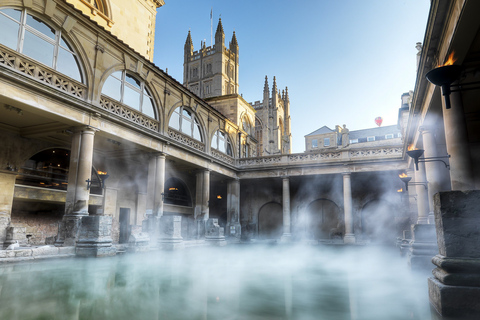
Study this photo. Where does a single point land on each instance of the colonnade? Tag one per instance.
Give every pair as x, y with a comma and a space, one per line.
349, 236
430, 173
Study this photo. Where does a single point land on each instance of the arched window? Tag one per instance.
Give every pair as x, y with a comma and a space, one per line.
126, 89
32, 37
184, 120
246, 126
222, 143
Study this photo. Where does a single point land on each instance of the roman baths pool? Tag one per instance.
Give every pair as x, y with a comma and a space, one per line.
233, 282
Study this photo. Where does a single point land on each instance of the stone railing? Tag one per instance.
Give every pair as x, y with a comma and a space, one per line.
13, 60
223, 157
319, 157
184, 139
379, 152
125, 112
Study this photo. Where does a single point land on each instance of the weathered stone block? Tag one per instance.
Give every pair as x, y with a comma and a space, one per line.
424, 233
23, 253
138, 242
170, 237
45, 251
460, 302
94, 237
214, 234
457, 220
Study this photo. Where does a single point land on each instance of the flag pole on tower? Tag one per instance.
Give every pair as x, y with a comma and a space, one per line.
211, 26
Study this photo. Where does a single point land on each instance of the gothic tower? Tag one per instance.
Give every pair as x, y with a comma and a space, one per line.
211, 71
273, 125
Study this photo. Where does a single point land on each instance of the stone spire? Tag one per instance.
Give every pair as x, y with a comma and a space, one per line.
286, 94
274, 89
219, 36
234, 44
265, 87
188, 44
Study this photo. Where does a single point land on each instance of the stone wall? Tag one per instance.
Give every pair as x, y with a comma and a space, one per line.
40, 219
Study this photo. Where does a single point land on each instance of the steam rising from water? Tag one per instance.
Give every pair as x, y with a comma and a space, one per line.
291, 282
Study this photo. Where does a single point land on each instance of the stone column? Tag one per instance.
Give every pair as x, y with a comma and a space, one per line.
202, 197
456, 136
206, 195
286, 236
455, 288
348, 209
7, 188
433, 169
233, 209
422, 194
159, 185
80, 170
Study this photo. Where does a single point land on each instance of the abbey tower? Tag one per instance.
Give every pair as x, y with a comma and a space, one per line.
212, 74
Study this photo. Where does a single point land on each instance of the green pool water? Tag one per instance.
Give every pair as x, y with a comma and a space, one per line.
237, 282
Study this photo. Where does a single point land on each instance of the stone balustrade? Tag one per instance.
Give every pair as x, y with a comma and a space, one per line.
33, 69
326, 156
127, 113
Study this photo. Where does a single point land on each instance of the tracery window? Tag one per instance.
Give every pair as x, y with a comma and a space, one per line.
185, 121
130, 91
222, 143
32, 37
246, 125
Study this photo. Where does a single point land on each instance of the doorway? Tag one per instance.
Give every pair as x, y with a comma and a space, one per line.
124, 225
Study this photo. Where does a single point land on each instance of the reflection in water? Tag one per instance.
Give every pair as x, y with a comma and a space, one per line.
240, 282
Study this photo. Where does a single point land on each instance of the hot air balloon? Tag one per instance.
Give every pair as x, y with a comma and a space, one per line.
378, 121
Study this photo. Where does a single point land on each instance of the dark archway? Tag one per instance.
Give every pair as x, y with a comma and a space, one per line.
324, 220
378, 222
176, 192
270, 221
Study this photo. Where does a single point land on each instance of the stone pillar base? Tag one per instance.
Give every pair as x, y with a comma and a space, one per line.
286, 238
349, 238
214, 234
95, 249
170, 236
94, 237
460, 302
138, 242
423, 247
68, 230
234, 232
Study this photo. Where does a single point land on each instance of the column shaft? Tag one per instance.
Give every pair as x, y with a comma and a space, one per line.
456, 136
348, 209
422, 194
159, 184
286, 209
82, 194
433, 170
206, 195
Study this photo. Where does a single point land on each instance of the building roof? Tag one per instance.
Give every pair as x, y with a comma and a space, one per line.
379, 131
322, 130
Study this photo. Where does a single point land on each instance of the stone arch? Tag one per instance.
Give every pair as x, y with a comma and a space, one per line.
146, 99
270, 221
200, 122
68, 37
324, 220
177, 192
378, 222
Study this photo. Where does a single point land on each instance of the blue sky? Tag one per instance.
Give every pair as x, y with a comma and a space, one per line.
343, 61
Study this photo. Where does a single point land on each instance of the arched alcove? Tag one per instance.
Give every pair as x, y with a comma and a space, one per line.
378, 222
324, 220
177, 193
270, 221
